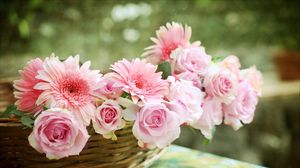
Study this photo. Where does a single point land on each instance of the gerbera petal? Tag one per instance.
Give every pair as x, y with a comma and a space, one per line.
25, 93
42, 86
140, 79
169, 38
69, 85
53, 67
86, 113
85, 67
43, 98
72, 62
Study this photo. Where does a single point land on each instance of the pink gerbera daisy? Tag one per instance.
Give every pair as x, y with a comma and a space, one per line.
26, 95
69, 85
140, 79
169, 38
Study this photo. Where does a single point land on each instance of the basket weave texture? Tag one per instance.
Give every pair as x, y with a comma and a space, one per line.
15, 150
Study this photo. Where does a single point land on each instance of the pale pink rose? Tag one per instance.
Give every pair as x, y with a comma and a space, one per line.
108, 117
254, 77
25, 93
140, 80
190, 59
185, 99
180, 109
156, 125
242, 108
58, 134
232, 63
131, 108
189, 76
169, 38
212, 116
69, 85
220, 83
109, 88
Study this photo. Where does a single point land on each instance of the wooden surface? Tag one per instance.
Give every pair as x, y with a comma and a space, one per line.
180, 157
273, 87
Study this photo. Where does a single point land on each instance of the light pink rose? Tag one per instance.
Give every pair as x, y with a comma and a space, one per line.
109, 88
232, 63
191, 59
156, 125
58, 134
108, 117
212, 115
221, 84
242, 108
254, 77
190, 76
185, 99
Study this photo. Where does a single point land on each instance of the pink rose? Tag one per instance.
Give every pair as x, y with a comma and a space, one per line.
190, 76
232, 63
58, 134
108, 118
242, 108
185, 99
221, 84
109, 88
212, 115
191, 59
156, 125
255, 78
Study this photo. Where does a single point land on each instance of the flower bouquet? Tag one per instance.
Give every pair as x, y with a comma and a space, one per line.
77, 116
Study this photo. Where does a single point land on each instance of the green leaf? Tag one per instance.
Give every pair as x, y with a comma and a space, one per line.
165, 68
27, 121
206, 142
114, 137
8, 111
12, 109
45, 108
217, 58
126, 95
17, 113
123, 108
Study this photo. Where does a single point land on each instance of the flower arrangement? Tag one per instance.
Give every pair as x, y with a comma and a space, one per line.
175, 83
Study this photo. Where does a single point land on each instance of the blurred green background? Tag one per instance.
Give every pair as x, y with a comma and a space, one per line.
105, 31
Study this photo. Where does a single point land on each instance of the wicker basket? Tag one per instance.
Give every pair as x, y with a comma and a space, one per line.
15, 150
